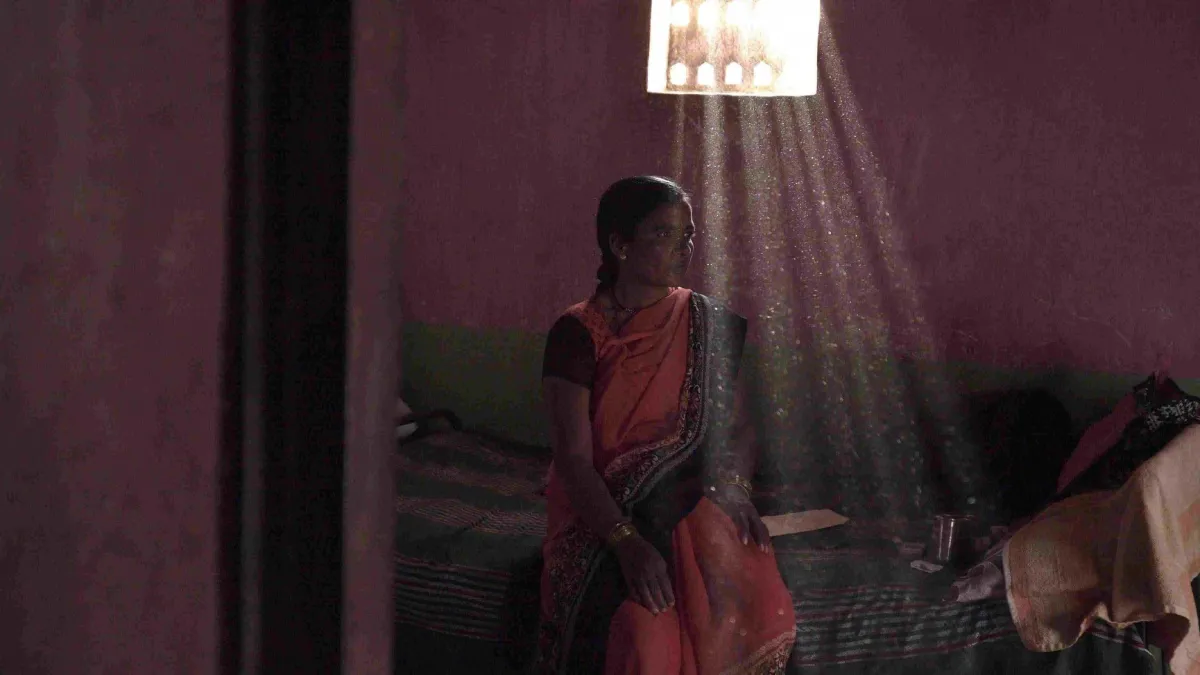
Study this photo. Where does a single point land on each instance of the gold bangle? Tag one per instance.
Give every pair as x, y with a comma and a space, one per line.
620, 532
735, 479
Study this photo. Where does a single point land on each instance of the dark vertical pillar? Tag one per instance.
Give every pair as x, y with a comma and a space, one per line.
286, 341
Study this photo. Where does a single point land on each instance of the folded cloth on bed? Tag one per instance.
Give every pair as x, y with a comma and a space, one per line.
985, 580
1126, 556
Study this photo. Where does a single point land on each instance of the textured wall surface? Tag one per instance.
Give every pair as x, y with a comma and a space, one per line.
374, 330
1037, 164
112, 200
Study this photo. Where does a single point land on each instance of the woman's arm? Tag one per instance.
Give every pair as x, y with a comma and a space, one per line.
570, 426
736, 467
643, 567
736, 459
744, 442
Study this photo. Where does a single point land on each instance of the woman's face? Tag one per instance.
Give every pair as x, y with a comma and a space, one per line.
661, 250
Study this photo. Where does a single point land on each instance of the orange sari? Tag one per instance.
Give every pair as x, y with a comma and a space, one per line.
661, 409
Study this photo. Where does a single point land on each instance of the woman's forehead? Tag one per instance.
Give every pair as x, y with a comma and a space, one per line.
672, 215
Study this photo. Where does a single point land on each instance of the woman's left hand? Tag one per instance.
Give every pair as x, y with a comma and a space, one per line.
734, 501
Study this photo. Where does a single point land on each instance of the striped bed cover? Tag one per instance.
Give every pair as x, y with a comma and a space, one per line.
470, 522
862, 609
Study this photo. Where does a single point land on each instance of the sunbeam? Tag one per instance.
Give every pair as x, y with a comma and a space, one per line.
767, 248
927, 386
846, 364
714, 191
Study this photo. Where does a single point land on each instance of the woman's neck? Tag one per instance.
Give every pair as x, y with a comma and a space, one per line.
637, 296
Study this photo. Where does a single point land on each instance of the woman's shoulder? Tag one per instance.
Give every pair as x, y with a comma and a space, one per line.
718, 309
584, 315
577, 309
570, 352
577, 322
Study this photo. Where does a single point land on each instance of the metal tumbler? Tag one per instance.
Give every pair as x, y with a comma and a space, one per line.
950, 537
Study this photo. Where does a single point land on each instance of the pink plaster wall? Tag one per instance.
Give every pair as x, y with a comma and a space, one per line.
1040, 160
374, 335
112, 200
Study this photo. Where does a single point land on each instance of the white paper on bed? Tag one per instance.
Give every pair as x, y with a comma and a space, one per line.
802, 521
403, 431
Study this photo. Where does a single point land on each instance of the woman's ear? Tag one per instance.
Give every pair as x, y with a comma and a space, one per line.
617, 246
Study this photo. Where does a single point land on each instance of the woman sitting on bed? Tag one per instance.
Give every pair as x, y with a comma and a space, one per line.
656, 562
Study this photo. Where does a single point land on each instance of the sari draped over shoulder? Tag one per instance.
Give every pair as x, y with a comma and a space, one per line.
661, 413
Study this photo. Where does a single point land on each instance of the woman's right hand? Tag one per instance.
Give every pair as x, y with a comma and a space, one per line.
646, 574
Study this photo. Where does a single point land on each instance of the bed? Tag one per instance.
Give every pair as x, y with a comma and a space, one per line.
469, 525
861, 608
470, 520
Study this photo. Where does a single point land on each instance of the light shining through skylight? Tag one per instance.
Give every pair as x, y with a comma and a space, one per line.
681, 15
709, 15
679, 74
733, 74
779, 36
763, 75
737, 13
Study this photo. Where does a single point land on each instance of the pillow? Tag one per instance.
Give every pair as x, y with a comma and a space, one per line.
1097, 440
1103, 435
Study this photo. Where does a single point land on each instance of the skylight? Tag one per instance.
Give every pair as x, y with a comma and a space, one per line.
734, 47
